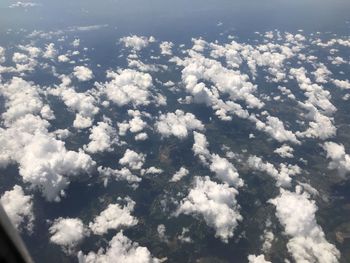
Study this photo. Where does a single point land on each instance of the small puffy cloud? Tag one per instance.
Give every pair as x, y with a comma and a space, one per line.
50, 51
102, 137
152, 170
63, 58
2, 55
135, 125
141, 136
318, 104
179, 174
123, 174
133, 159
307, 242
216, 203
200, 147
20, 4
136, 42
343, 84
339, 159
82, 73
282, 177
177, 124
121, 249
285, 151
225, 171
166, 48
114, 216
19, 208
76, 42
84, 104
128, 86
276, 129
22, 98
68, 233
257, 259
20, 58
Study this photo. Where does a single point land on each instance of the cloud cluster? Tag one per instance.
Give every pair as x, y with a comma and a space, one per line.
318, 105
307, 241
43, 161
177, 124
216, 203
19, 208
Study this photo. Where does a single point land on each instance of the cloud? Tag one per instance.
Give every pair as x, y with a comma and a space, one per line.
114, 217
50, 51
19, 208
197, 70
223, 169
343, 84
276, 129
84, 104
285, 151
179, 174
22, 98
82, 73
307, 242
166, 48
200, 147
44, 162
2, 55
177, 124
23, 4
119, 175
133, 159
257, 259
282, 177
141, 136
63, 58
339, 159
152, 170
216, 203
68, 233
135, 125
136, 42
318, 104
128, 86
102, 138
121, 249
